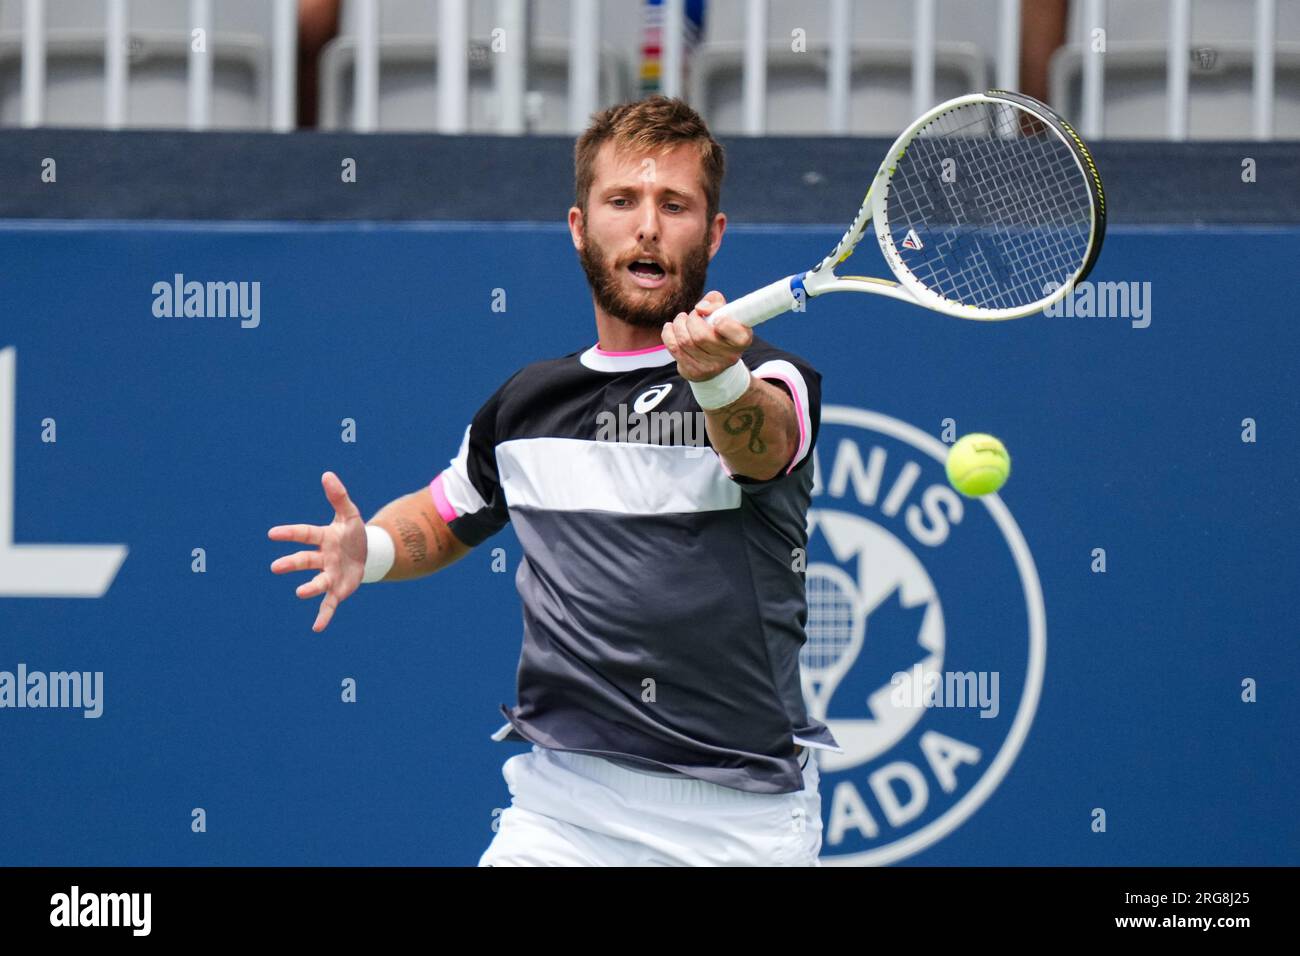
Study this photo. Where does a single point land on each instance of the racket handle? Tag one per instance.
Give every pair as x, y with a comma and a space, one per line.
761, 304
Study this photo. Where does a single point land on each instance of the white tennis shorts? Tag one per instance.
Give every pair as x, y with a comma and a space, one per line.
571, 809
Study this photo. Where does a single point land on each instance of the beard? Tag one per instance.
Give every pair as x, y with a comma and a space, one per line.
646, 308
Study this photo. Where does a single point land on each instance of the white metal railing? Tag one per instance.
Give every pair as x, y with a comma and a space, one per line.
365, 69
284, 65
33, 62
510, 65
755, 75
840, 33
200, 69
453, 66
1094, 76
584, 59
1178, 49
1180, 40
510, 62
1008, 75
674, 47
1265, 31
923, 39
115, 64
284, 62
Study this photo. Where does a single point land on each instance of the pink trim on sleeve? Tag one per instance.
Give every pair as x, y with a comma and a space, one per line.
798, 413
445, 510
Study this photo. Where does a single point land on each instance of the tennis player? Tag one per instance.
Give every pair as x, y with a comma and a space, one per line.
662, 584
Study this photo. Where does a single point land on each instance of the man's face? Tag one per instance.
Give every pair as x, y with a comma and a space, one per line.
646, 207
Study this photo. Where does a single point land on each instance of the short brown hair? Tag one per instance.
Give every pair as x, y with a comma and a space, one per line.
652, 124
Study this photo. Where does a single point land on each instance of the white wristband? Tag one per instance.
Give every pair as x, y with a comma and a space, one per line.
380, 554
722, 389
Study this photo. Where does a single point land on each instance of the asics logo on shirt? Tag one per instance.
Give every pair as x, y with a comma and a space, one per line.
651, 397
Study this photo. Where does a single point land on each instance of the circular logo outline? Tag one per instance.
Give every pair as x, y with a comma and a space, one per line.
974, 798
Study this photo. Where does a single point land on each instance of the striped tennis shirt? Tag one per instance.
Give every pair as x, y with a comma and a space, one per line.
662, 610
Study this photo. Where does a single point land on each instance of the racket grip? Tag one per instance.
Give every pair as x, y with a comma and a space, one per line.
761, 304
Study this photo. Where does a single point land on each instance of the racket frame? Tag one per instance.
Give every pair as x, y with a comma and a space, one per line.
790, 293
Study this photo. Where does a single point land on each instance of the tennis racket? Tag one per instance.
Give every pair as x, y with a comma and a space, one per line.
987, 207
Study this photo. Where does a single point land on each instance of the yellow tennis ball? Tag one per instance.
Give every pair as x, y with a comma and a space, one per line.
978, 464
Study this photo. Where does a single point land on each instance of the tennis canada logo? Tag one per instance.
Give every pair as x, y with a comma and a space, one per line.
926, 639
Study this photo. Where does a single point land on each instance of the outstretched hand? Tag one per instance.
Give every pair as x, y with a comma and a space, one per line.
340, 557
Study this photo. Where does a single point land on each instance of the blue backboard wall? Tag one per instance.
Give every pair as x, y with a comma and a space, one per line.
178, 433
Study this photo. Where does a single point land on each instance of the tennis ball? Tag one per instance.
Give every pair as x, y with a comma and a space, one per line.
978, 464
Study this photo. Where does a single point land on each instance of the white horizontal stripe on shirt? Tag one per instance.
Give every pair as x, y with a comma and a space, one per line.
571, 474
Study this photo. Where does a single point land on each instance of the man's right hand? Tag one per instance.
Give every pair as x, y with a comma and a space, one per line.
341, 554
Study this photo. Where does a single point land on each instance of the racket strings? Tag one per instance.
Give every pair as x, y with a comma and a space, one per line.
995, 206
1024, 248
1021, 248
1026, 243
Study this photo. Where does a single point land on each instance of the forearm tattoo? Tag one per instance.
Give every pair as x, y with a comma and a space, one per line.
747, 418
413, 539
